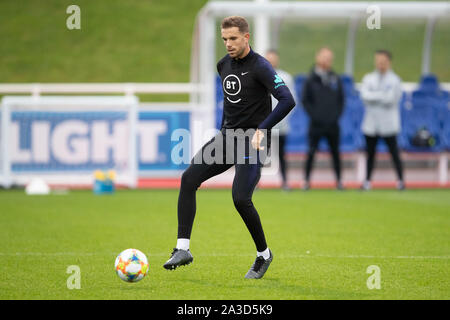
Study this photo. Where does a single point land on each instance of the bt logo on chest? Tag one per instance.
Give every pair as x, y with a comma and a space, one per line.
231, 86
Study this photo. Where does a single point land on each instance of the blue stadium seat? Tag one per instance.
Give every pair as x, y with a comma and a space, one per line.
219, 102
298, 83
356, 106
444, 106
348, 85
446, 127
351, 119
429, 84
421, 112
405, 104
441, 101
297, 140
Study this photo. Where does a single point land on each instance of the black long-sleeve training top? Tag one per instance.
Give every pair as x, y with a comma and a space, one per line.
247, 84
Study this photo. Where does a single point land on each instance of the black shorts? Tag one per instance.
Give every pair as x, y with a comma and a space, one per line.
233, 147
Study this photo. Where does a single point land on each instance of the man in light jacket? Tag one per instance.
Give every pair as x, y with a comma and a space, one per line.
281, 128
381, 92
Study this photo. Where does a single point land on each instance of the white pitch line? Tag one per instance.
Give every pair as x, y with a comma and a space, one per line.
294, 256
370, 257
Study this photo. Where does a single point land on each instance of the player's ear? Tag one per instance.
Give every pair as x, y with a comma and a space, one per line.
247, 36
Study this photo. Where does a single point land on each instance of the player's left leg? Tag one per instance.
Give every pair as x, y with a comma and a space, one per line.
244, 183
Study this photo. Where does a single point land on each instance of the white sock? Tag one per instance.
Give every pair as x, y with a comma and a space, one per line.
265, 254
183, 244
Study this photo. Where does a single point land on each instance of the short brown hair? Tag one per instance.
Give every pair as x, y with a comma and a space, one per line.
235, 21
387, 53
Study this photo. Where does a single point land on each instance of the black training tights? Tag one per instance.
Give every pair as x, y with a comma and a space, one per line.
246, 177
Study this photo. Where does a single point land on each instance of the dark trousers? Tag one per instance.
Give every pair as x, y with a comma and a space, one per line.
245, 180
282, 156
371, 145
331, 133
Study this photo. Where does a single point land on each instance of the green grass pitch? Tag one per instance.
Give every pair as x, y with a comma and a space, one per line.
323, 242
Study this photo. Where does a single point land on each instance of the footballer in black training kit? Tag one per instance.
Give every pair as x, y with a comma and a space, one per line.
248, 81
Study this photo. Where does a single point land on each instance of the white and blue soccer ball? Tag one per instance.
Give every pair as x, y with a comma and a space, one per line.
131, 265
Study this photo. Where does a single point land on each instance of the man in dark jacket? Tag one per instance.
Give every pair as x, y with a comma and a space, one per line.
323, 100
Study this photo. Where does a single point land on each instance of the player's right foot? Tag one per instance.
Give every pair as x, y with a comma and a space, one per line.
179, 257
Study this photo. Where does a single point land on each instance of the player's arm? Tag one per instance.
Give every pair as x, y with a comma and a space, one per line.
276, 86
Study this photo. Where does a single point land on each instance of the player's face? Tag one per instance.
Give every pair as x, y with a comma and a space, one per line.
235, 41
382, 62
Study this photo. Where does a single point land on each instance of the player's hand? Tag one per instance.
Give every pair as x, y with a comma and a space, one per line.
256, 140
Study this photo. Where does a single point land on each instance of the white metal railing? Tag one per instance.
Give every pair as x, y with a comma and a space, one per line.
411, 86
125, 88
